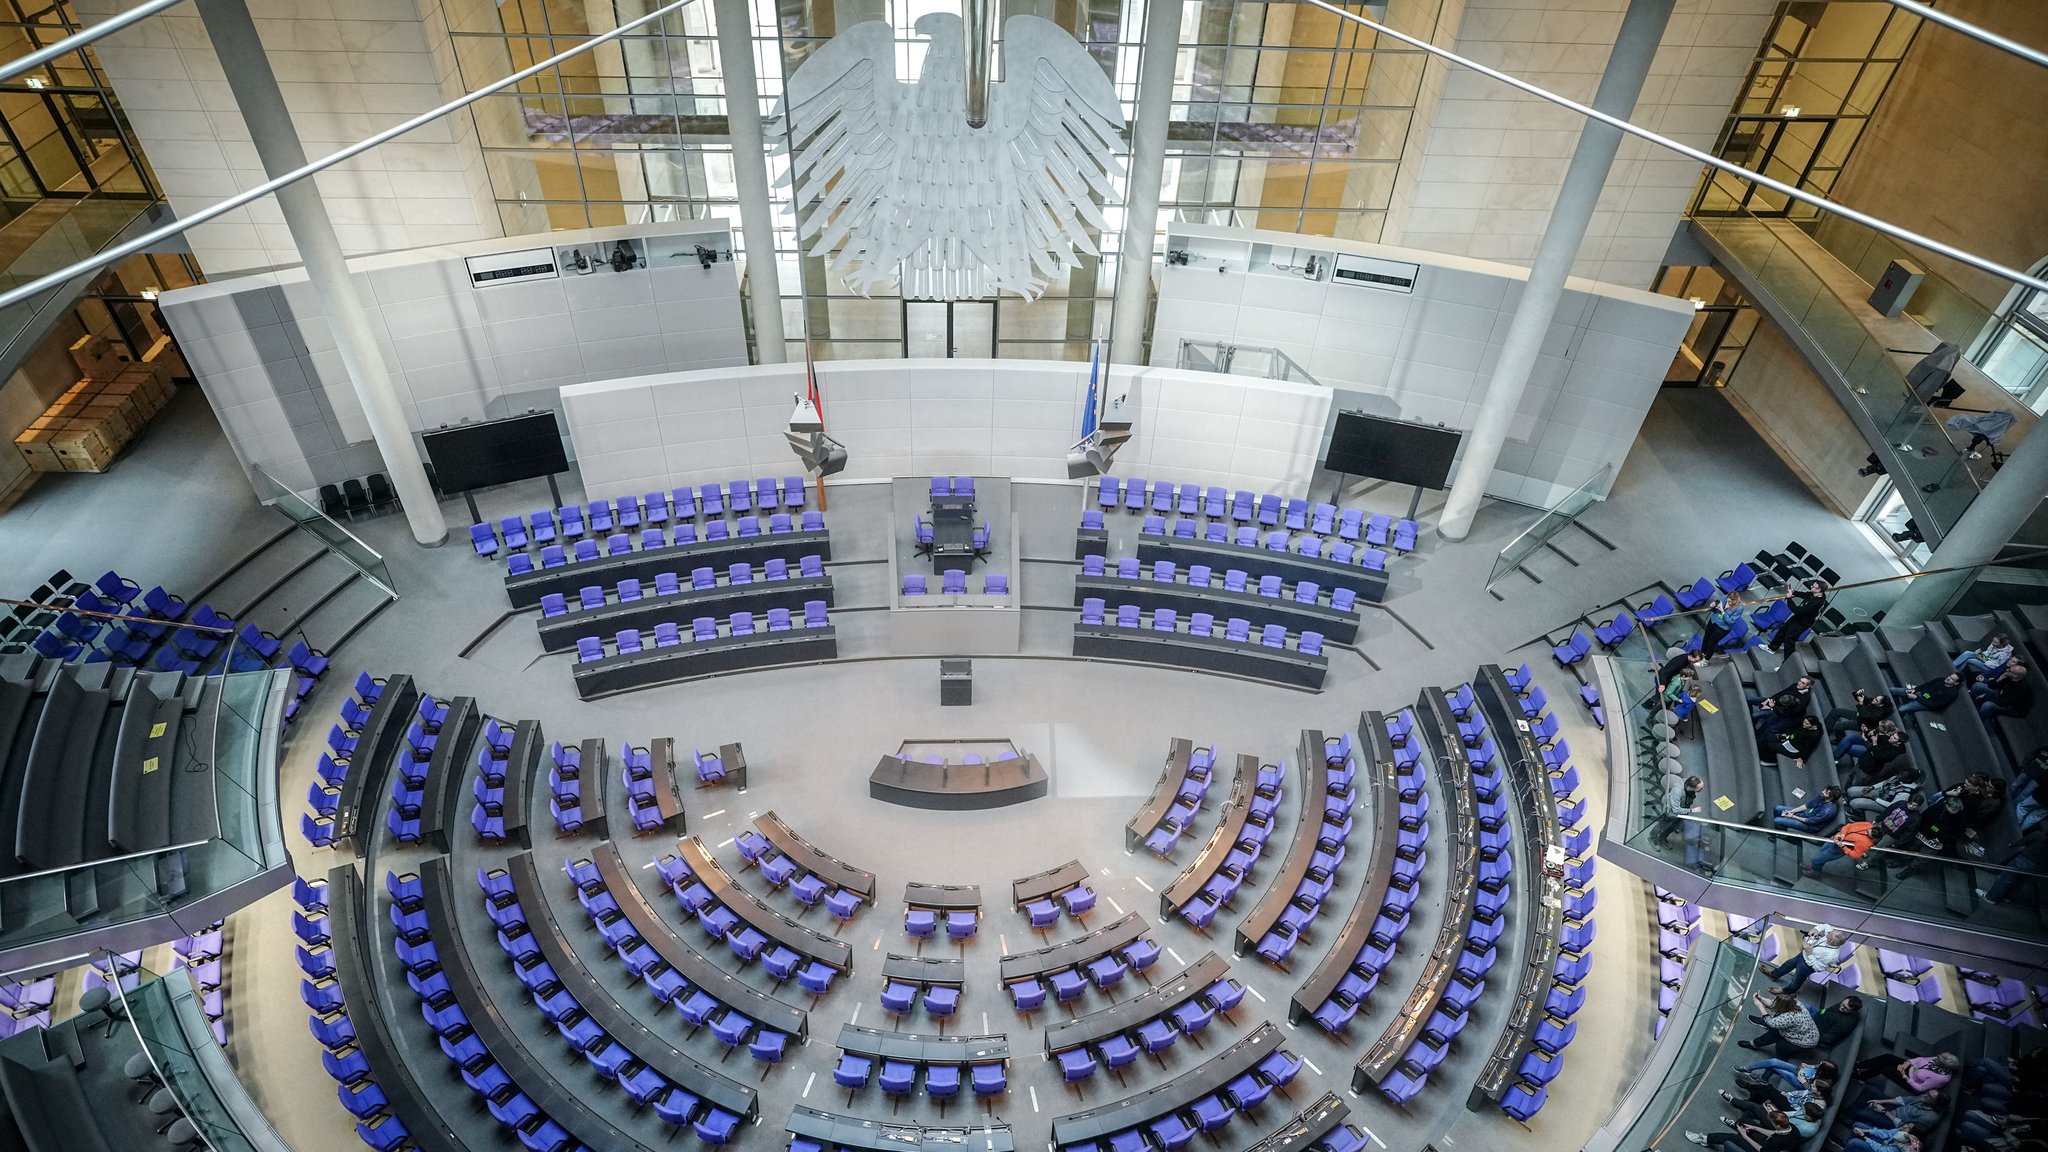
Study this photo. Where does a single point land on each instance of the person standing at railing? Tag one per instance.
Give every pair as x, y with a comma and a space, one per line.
1681, 799
1807, 604
1723, 612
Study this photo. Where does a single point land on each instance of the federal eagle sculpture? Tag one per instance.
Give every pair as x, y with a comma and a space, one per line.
896, 190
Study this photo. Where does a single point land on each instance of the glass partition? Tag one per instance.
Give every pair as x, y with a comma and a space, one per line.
1690, 1047
325, 529
1242, 360
165, 1013
1557, 519
1928, 457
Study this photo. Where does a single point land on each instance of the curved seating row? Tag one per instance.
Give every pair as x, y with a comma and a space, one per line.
1361, 571
1320, 1127
1419, 1036
953, 582
815, 862
573, 808
1339, 552
1205, 1098
602, 516
811, 1130
924, 904
940, 1061
199, 955
445, 732
1268, 510
1151, 1020
1678, 927
1280, 920
1170, 811
1517, 1074
505, 760
1213, 878
1301, 607
783, 870
1232, 650
937, 981
594, 610
358, 749
1103, 956
358, 1049
933, 783
1040, 895
529, 576
669, 656
1337, 989
729, 912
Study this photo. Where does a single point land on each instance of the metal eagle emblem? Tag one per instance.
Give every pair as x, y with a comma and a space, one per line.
894, 187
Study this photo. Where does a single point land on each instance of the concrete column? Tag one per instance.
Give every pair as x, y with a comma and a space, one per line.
256, 93
1986, 526
1141, 189
1628, 65
750, 176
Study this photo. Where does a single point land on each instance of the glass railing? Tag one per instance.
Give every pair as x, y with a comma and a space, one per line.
87, 225
167, 1019
324, 528
232, 743
1889, 880
1687, 1051
1557, 519
1798, 295
1939, 306
1241, 360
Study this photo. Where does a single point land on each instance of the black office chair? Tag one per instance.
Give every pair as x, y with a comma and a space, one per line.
331, 502
358, 500
380, 489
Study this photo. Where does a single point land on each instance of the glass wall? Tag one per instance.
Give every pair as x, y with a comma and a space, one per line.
2014, 351
1284, 117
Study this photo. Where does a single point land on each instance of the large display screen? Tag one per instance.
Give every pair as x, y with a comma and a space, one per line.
469, 456
1392, 450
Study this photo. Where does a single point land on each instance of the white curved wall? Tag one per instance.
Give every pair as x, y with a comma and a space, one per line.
1012, 418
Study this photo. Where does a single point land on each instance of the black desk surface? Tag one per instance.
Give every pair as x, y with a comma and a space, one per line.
1315, 788
447, 767
643, 564
694, 659
1229, 828
1155, 1001
1175, 1094
661, 756
1051, 882
1367, 583
944, 897
348, 907
560, 633
923, 1049
1186, 599
1076, 952
924, 969
828, 868
1537, 828
1178, 753
748, 907
595, 775
528, 745
693, 965
957, 787
830, 1130
530, 1072
1248, 658
672, 1063
1435, 725
368, 770
1375, 755
1316, 1121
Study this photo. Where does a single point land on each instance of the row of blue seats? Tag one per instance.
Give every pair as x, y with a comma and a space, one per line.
1296, 515
1176, 1129
593, 596
926, 536
1068, 984
355, 1086
26, 1004
1332, 835
1189, 793
324, 794
669, 635
621, 544
1234, 580
1119, 1050
953, 582
1236, 628
1339, 552
746, 942
1076, 899
899, 1077
1411, 853
1678, 925
782, 872
600, 516
1223, 883
941, 998
952, 486
698, 1007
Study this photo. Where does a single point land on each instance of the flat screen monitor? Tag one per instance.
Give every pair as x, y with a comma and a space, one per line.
469, 456
1392, 450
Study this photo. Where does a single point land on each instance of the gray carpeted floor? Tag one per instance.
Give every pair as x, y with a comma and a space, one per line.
1699, 493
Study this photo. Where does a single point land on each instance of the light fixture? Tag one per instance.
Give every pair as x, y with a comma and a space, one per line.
1789, 111
151, 292
806, 436
36, 82
1697, 302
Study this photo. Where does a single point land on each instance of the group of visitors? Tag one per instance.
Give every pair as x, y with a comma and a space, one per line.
2005, 1105
1785, 1096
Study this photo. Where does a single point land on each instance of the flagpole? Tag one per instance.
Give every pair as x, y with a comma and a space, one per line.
817, 402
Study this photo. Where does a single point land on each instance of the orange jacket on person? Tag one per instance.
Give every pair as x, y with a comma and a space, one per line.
1856, 840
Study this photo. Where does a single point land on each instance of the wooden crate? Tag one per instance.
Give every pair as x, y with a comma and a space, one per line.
98, 355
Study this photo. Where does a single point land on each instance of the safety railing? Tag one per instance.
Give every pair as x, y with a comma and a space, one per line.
87, 225
1242, 360
1560, 516
324, 528
165, 1014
